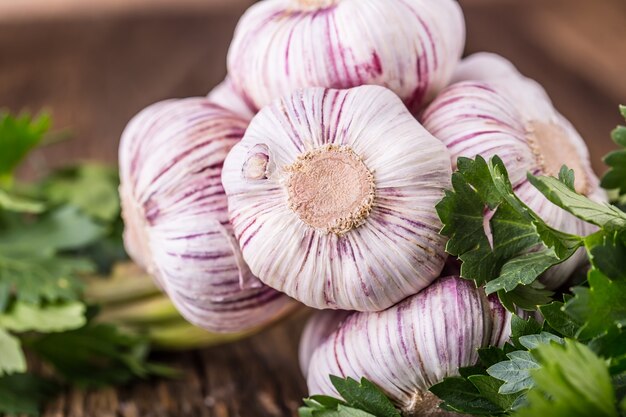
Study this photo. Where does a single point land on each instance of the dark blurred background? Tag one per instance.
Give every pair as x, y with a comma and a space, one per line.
95, 63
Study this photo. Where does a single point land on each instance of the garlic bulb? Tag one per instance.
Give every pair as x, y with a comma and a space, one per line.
408, 46
225, 95
175, 213
321, 325
494, 110
413, 345
332, 198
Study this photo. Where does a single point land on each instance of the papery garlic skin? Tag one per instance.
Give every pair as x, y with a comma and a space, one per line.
345, 216
175, 214
225, 95
408, 46
494, 110
319, 327
412, 345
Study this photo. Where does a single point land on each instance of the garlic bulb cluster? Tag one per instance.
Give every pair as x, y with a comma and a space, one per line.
411, 346
491, 109
408, 46
175, 213
305, 176
332, 198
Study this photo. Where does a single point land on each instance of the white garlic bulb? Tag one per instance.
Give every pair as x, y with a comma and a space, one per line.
408, 46
225, 95
332, 197
494, 110
413, 345
175, 213
321, 325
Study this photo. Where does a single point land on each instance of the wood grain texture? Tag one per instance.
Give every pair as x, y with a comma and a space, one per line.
255, 377
95, 72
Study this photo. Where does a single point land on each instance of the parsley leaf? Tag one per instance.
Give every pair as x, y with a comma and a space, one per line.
18, 136
24, 317
570, 382
63, 229
100, 355
461, 395
33, 267
522, 327
11, 356
556, 317
365, 396
612, 346
558, 192
362, 399
25, 394
598, 307
607, 252
515, 373
90, 187
615, 178
518, 245
489, 388
18, 204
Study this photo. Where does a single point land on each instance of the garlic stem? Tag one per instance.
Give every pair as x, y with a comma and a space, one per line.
127, 283
184, 336
145, 311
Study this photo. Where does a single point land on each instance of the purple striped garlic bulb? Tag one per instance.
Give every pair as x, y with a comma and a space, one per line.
411, 346
332, 197
175, 214
408, 46
319, 327
225, 95
492, 109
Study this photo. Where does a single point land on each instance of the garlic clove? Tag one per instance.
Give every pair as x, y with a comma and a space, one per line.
283, 45
176, 220
226, 95
321, 325
494, 110
412, 345
346, 218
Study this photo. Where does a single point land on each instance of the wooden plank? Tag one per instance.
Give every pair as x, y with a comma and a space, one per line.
251, 378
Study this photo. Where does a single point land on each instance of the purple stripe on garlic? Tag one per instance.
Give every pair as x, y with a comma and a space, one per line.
408, 46
344, 217
413, 345
175, 212
494, 110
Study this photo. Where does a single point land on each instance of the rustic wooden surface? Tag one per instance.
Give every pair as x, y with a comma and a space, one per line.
96, 71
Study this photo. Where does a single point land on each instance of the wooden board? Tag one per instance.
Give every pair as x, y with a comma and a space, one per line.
95, 72
252, 378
